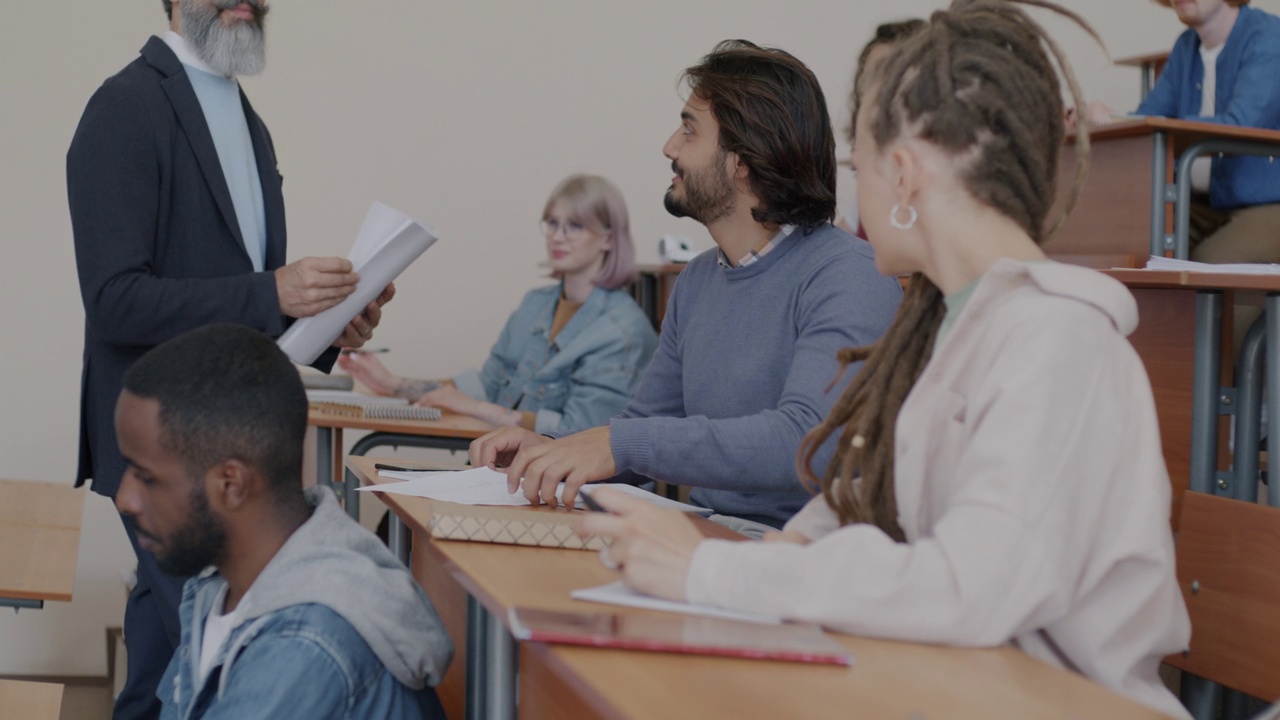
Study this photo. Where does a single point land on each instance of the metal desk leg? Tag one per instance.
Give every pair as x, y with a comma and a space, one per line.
324, 457
1273, 396
491, 666
1204, 391
398, 538
1241, 482
500, 659
20, 604
476, 618
1159, 183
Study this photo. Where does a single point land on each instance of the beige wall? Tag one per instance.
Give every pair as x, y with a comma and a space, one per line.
463, 114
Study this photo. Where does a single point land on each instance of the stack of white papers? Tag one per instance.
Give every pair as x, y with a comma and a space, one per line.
388, 242
483, 486
1156, 262
617, 593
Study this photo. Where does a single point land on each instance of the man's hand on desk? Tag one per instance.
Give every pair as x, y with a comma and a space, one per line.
314, 284
499, 448
360, 330
652, 547
576, 459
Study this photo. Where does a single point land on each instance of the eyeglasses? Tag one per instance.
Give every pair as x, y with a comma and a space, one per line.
573, 230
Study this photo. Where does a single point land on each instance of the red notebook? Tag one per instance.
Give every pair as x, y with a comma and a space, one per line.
679, 634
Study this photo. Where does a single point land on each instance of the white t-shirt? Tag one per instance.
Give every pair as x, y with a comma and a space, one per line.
1201, 167
217, 627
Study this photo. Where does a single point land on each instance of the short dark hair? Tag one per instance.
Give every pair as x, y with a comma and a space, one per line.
168, 7
226, 391
773, 115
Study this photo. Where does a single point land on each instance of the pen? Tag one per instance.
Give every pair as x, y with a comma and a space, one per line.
395, 468
362, 351
590, 502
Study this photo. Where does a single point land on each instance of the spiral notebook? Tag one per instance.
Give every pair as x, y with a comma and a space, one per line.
356, 405
679, 634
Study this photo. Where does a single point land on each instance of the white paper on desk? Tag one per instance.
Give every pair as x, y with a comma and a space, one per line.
1156, 262
617, 593
388, 242
483, 486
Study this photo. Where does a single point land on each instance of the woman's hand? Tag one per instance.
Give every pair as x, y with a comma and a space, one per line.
652, 547
370, 372
450, 398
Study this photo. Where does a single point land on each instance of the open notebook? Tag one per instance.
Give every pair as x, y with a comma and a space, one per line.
679, 634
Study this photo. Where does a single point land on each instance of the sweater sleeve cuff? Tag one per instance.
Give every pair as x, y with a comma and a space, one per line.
629, 445
711, 572
264, 288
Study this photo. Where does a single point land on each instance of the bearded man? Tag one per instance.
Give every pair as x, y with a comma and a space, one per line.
178, 219
747, 358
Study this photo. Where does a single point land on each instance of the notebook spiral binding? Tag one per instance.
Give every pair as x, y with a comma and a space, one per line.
379, 412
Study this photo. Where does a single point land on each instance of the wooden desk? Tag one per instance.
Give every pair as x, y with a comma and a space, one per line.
39, 542
22, 700
474, 585
1132, 170
1210, 469
450, 432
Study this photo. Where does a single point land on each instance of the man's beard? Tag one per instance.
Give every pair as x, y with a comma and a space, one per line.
199, 543
230, 51
708, 193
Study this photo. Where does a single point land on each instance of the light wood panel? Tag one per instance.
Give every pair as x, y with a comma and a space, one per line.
21, 700
39, 539
1229, 570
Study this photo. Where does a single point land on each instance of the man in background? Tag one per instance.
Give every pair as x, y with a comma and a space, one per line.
178, 218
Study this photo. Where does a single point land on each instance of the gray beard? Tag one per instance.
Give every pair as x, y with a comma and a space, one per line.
237, 50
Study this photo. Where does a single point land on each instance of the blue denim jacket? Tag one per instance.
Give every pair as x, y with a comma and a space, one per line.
334, 627
1247, 94
579, 380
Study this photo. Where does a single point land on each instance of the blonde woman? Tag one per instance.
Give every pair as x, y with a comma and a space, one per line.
572, 354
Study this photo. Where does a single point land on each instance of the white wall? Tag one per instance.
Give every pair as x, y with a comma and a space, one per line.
463, 114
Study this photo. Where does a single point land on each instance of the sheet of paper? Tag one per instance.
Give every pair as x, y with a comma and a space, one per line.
483, 486
617, 593
388, 242
1156, 262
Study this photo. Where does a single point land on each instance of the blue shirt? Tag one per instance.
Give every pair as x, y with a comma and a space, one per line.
220, 100
745, 368
580, 379
1247, 94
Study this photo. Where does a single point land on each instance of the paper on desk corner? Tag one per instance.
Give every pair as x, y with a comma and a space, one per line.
617, 593
388, 242
485, 486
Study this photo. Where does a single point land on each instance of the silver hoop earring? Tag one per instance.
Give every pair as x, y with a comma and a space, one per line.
912, 216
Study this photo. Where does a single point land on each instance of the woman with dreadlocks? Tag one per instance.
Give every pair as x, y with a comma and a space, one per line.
999, 477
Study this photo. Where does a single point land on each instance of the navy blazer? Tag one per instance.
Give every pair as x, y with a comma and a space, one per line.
158, 247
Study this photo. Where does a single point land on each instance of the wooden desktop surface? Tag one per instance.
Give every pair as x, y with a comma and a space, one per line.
39, 539
888, 679
22, 700
1147, 59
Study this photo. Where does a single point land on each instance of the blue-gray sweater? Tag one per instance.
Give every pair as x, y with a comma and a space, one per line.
742, 369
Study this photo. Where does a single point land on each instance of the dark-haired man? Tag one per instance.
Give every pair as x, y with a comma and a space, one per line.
747, 354
178, 218
301, 612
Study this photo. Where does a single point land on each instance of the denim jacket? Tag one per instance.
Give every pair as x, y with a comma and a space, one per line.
1247, 94
331, 629
579, 380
